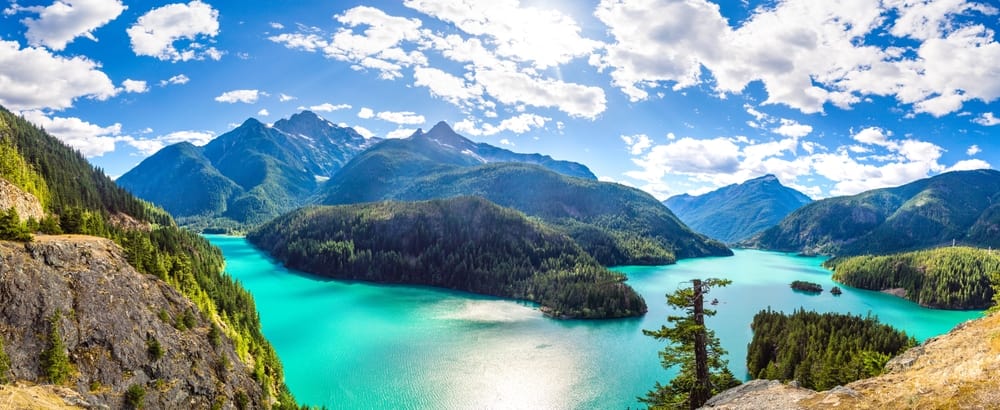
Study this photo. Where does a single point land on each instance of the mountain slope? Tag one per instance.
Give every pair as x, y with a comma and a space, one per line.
961, 206
462, 243
249, 174
78, 199
614, 223
736, 212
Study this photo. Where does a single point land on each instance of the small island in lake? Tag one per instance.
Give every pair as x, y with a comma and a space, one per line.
808, 287
836, 291
463, 243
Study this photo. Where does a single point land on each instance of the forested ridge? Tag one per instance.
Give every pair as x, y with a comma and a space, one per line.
821, 350
463, 243
954, 277
81, 200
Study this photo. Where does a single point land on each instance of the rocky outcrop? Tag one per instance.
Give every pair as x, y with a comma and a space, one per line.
110, 317
26, 204
955, 370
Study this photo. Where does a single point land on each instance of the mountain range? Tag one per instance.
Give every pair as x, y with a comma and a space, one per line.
738, 211
956, 207
616, 224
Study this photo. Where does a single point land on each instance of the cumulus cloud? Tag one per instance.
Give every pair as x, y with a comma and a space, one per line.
969, 165
446, 86
134, 86
285, 97
806, 54
149, 146
637, 144
986, 119
366, 113
401, 117
63, 21
518, 124
263, 112
365, 132
32, 78
973, 150
90, 139
873, 159
241, 96
516, 88
327, 107
791, 128
175, 80
156, 33
400, 133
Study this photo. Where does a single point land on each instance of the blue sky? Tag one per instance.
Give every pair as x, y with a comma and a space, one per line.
833, 97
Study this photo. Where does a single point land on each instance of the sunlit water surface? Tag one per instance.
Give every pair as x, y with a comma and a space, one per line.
358, 345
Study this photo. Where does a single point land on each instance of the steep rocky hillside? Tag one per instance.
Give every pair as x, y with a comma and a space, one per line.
952, 371
110, 319
27, 205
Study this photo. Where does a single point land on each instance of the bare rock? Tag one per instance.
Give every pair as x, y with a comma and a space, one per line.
110, 313
27, 205
759, 394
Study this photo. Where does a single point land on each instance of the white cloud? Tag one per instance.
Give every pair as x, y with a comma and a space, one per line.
365, 132
518, 88
134, 86
32, 78
366, 113
149, 146
969, 165
637, 144
805, 53
973, 150
263, 112
242, 96
542, 37
400, 133
446, 86
175, 80
327, 107
277, 26
986, 120
63, 21
506, 142
90, 139
401, 117
518, 124
791, 128
285, 97
156, 32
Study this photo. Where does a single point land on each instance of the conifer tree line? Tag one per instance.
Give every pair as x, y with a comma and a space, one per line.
79, 199
465, 243
955, 277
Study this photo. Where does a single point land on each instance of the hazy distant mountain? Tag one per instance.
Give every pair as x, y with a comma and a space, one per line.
249, 174
614, 223
962, 206
736, 212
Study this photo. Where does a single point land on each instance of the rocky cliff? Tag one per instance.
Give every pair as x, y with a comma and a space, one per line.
26, 204
955, 370
110, 318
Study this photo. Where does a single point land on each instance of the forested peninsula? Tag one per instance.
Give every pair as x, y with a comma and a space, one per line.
463, 243
954, 277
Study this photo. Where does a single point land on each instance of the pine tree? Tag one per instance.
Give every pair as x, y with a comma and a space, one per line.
693, 347
55, 361
4, 364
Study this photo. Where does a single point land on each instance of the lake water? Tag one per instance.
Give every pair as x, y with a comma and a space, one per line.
352, 345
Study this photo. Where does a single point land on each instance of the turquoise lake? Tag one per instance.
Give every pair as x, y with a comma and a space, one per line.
352, 345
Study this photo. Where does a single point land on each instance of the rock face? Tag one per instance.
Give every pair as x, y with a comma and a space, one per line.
956, 370
26, 204
110, 314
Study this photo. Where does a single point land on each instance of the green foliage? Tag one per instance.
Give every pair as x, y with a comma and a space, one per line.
681, 347
153, 348
5, 371
949, 278
214, 335
821, 350
55, 360
11, 228
85, 200
736, 212
19, 172
135, 396
464, 243
962, 206
804, 286
616, 224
